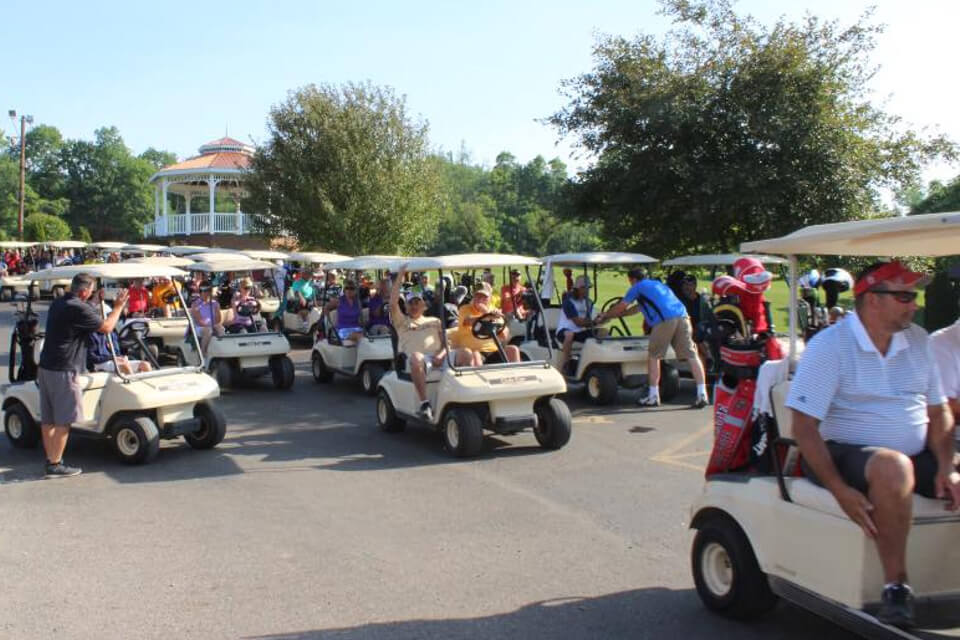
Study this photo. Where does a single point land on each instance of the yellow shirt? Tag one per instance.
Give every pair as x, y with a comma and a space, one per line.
465, 338
420, 335
160, 290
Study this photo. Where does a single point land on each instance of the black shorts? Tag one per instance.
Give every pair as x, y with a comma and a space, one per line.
578, 336
851, 462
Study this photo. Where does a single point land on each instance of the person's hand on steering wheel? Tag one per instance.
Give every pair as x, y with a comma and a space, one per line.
487, 325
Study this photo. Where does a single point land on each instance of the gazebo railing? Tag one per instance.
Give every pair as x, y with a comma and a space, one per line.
186, 224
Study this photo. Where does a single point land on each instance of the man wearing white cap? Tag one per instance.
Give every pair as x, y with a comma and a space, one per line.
577, 315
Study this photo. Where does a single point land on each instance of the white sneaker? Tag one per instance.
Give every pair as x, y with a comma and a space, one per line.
647, 401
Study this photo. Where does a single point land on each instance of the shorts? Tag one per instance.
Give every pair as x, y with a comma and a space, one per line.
427, 364
110, 367
344, 333
61, 399
578, 336
851, 462
675, 332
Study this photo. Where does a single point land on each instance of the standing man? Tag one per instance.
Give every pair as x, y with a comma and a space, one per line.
70, 321
670, 324
872, 423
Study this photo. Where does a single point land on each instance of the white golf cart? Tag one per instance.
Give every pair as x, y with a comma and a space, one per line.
269, 305
133, 411
56, 288
763, 536
237, 356
602, 364
504, 398
370, 357
14, 285
290, 323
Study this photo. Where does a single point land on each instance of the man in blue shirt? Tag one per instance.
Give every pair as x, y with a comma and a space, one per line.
670, 325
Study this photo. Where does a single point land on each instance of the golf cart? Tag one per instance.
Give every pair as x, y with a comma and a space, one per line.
765, 535
14, 284
504, 398
367, 359
56, 288
133, 411
602, 364
240, 355
289, 322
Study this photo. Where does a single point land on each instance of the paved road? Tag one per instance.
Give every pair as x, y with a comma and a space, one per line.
308, 522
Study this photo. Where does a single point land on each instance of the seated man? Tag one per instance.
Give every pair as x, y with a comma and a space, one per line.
578, 314
469, 314
207, 316
302, 295
163, 290
871, 421
99, 357
349, 310
946, 348
418, 337
511, 296
245, 295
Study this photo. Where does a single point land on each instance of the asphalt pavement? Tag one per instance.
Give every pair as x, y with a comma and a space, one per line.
309, 522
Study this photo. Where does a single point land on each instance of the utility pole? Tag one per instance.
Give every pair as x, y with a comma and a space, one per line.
24, 121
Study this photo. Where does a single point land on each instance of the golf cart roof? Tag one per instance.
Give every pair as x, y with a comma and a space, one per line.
468, 261
930, 234
146, 248
209, 256
362, 263
316, 257
15, 244
264, 254
720, 259
65, 244
187, 249
598, 257
108, 245
114, 271
170, 261
235, 263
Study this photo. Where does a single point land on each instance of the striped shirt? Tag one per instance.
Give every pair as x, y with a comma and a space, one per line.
946, 348
863, 397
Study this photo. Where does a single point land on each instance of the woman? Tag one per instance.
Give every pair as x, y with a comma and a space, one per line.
139, 300
349, 310
244, 296
207, 315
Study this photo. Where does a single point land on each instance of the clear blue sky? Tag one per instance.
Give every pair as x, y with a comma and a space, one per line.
175, 74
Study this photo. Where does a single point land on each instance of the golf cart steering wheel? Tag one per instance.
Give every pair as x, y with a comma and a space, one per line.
133, 332
488, 325
248, 308
170, 297
609, 304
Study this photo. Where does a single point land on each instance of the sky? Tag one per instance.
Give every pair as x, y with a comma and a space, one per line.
173, 75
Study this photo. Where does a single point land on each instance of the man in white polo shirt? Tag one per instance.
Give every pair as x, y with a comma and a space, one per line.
872, 423
946, 348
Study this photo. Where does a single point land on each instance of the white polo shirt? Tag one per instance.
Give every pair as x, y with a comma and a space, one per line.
863, 397
946, 349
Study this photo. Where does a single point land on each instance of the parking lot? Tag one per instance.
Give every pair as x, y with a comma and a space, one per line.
308, 522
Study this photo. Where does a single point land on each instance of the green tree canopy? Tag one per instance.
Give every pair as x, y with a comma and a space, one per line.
346, 168
725, 131
41, 227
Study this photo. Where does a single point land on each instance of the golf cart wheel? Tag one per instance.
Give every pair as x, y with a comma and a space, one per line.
370, 375
20, 427
282, 371
462, 432
319, 368
222, 372
213, 426
387, 417
6, 294
136, 439
58, 292
601, 385
725, 571
669, 382
554, 424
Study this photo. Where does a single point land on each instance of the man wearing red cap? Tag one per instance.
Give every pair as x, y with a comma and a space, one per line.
871, 421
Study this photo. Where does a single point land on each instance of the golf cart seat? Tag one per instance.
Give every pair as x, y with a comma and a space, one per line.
804, 492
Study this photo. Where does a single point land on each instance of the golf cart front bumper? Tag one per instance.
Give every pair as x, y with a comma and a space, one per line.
171, 430
508, 425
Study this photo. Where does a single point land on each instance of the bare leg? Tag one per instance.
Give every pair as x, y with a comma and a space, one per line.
419, 374
653, 372
463, 357
206, 333
477, 359
890, 478
696, 367
54, 441
513, 353
567, 348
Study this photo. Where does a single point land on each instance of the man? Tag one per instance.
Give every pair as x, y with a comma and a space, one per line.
303, 294
577, 315
871, 422
331, 290
70, 320
480, 305
494, 298
418, 336
945, 344
511, 296
670, 325
139, 299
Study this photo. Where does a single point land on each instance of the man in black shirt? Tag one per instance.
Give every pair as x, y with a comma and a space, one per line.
70, 320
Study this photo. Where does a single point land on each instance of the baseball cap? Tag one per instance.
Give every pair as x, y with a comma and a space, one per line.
514, 272
414, 295
582, 281
894, 272
483, 287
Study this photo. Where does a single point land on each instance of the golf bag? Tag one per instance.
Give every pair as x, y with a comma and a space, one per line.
22, 342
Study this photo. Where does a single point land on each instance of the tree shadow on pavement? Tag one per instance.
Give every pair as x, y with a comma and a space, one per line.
641, 613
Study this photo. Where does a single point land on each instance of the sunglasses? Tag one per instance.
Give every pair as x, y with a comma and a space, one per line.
903, 297
349, 288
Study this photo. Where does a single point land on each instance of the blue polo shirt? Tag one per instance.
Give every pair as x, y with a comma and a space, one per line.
656, 301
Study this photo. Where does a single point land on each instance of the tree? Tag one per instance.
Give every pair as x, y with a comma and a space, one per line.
726, 131
939, 197
158, 159
346, 168
41, 227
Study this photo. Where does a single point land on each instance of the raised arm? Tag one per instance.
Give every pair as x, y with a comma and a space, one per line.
110, 322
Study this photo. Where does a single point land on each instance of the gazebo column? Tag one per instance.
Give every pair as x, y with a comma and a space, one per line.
164, 184
239, 218
189, 220
212, 183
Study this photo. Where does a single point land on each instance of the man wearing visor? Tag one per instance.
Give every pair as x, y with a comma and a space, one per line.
872, 423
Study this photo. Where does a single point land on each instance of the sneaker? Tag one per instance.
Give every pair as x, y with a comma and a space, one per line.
700, 403
61, 470
647, 401
425, 412
896, 609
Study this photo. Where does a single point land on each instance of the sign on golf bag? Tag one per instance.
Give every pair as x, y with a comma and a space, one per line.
732, 426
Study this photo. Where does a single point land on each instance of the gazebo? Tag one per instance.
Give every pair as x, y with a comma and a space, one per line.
219, 168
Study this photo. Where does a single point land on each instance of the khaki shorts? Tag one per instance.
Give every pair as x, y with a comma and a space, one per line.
674, 332
60, 397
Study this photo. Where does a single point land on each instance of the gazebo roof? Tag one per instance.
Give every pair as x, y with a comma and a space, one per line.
224, 155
